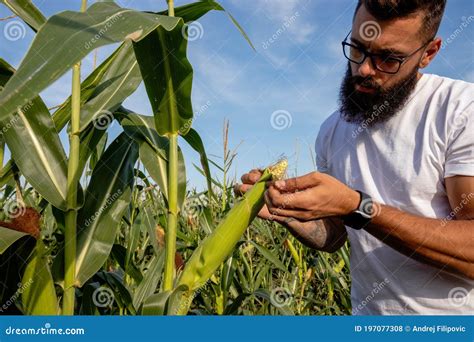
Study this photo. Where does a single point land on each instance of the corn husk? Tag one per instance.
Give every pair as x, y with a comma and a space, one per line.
214, 250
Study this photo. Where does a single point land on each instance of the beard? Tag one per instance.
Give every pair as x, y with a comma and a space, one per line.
378, 106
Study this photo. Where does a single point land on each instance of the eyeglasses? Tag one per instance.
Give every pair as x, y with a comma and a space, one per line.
381, 61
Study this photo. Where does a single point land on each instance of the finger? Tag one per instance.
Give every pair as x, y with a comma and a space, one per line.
284, 200
252, 177
282, 219
240, 189
298, 183
279, 211
301, 215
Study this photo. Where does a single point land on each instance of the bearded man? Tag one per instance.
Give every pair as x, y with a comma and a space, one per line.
395, 169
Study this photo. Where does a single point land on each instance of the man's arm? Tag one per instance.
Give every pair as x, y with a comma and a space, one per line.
327, 235
447, 244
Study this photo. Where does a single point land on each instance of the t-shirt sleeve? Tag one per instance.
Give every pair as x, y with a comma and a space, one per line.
460, 149
322, 144
321, 153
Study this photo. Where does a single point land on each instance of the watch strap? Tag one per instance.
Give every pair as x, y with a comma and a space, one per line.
362, 216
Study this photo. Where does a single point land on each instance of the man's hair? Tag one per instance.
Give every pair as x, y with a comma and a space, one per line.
391, 9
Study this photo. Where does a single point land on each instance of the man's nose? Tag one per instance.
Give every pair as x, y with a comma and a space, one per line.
367, 69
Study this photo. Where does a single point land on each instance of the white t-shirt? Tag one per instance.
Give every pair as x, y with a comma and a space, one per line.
403, 163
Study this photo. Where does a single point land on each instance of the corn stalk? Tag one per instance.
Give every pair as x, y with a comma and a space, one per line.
70, 244
2, 153
170, 242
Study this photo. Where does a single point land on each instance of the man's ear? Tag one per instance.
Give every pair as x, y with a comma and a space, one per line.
430, 52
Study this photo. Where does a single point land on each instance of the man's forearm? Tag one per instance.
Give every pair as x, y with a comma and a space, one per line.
328, 234
446, 244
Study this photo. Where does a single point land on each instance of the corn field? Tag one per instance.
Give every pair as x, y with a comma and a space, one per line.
113, 227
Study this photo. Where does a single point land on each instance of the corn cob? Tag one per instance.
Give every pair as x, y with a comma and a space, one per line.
213, 251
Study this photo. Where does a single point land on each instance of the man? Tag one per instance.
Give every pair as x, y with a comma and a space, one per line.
396, 169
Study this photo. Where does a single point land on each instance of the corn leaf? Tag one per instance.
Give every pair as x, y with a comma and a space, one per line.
78, 34
154, 151
39, 294
124, 82
13, 262
168, 76
104, 90
118, 255
27, 11
8, 237
155, 305
284, 310
194, 140
35, 146
150, 281
107, 196
195, 10
270, 256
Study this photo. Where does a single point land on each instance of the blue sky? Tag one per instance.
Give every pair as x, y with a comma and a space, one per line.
294, 75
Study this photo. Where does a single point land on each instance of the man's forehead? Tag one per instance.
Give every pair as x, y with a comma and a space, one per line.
392, 34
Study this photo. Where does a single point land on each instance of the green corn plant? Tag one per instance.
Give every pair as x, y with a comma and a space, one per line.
170, 246
70, 245
113, 197
167, 75
55, 177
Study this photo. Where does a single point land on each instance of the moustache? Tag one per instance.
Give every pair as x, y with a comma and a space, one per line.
365, 82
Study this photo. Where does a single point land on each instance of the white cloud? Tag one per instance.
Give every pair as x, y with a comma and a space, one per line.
289, 16
279, 9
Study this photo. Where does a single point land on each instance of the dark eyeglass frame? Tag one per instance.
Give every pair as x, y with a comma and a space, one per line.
400, 60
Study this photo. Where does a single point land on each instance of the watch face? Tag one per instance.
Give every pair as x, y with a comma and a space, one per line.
364, 214
366, 208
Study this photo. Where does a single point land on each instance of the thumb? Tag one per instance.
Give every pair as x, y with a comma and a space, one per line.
298, 183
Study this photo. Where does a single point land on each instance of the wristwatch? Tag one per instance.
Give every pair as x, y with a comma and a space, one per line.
362, 216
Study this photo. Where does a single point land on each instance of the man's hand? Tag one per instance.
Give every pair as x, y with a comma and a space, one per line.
326, 235
248, 180
309, 197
